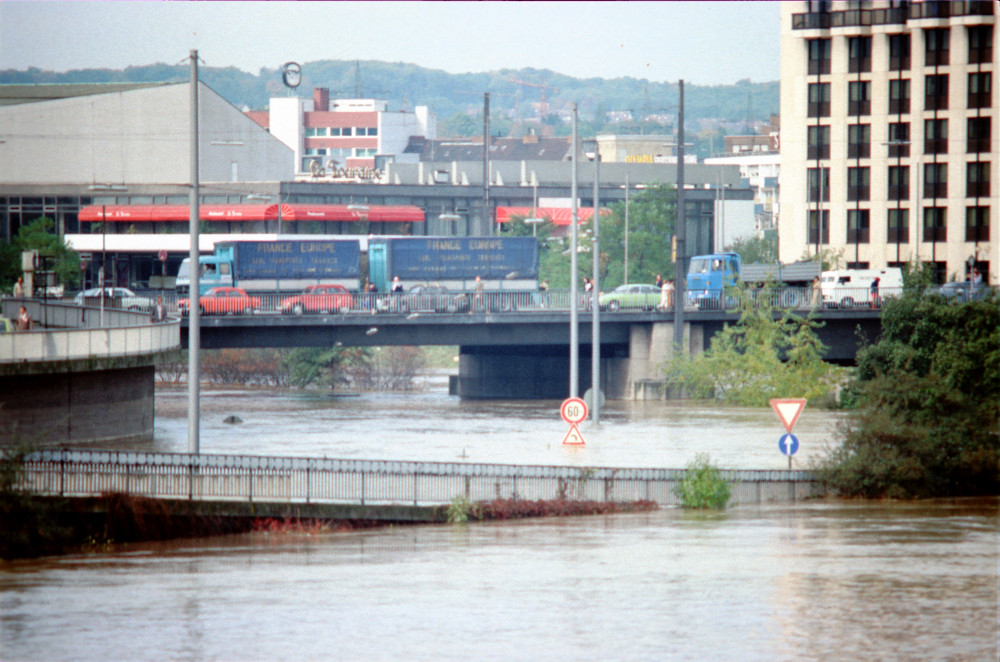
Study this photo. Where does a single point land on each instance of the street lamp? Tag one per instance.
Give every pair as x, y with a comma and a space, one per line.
104, 234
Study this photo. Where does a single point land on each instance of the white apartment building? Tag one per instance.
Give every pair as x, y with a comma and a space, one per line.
888, 136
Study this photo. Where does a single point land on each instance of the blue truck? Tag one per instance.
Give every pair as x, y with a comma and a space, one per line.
507, 266
276, 266
709, 276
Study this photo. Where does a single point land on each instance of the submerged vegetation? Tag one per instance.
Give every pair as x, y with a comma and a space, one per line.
703, 486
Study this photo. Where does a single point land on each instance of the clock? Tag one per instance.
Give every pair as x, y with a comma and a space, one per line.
291, 74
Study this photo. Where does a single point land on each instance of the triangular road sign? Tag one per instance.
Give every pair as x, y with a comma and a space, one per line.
788, 410
573, 437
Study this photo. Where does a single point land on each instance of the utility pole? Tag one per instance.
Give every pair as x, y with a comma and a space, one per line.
194, 295
574, 349
680, 270
595, 353
486, 163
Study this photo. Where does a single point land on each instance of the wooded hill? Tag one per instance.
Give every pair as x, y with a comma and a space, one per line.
733, 107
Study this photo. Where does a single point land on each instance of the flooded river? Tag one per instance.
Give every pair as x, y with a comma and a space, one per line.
825, 580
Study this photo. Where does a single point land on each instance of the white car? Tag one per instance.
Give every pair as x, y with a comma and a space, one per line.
115, 297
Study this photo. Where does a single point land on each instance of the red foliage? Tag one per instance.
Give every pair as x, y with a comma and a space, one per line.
501, 509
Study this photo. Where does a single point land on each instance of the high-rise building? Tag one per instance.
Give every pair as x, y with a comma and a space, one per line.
888, 140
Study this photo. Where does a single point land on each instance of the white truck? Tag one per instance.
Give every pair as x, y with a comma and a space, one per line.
848, 288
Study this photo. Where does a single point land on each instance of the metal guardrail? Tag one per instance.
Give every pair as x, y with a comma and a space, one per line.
127, 334
372, 482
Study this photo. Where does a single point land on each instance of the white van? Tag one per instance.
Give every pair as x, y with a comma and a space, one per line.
847, 288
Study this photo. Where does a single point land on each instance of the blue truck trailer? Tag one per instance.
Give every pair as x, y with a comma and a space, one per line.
710, 275
276, 266
506, 266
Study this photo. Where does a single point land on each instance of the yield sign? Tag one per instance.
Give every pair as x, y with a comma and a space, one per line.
788, 410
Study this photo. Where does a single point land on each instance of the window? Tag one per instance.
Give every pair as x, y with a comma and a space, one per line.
819, 188
815, 219
859, 54
936, 92
858, 184
859, 100
819, 142
899, 225
857, 226
936, 47
335, 131
819, 56
899, 182
978, 135
361, 131
346, 131
935, 228
935, 180
979, 90
859, 141
977, 180
899, 96
899, 139
935, 136
977, 223
980, 44
373, 131
819, 100
899, 52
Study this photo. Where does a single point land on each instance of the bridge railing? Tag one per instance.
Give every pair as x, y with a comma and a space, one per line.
372, 482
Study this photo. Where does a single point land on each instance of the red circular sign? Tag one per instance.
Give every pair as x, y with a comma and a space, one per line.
573, 410
163, 255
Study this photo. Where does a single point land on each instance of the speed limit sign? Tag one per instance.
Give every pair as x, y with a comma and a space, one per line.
573, 410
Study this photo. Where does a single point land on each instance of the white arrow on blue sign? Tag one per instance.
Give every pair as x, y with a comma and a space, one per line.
788, 444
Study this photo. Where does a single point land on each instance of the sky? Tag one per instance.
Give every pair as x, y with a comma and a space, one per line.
704, 43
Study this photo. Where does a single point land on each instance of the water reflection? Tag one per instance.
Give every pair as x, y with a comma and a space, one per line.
824, 580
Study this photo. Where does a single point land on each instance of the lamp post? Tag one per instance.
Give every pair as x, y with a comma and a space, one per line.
194, 294
626, 228
595, 353
574, 349
680, 285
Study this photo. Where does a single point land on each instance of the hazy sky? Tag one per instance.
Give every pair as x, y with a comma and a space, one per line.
702, 42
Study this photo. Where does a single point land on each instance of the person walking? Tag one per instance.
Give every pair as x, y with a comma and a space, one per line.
815, 294
159, 311
874, 292
19, 288
477, 298
666, 295
24, 322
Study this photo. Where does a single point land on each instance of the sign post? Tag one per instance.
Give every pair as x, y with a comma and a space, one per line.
573, 411
788, 411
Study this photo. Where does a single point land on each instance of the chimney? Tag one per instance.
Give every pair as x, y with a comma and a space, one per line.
321, 98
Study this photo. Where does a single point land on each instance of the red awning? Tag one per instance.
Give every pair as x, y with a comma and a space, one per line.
557, 215
289, 212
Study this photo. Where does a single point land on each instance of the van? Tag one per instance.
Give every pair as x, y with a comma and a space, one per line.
847, 288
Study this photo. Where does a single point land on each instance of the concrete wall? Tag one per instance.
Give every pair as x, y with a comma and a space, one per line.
78, 407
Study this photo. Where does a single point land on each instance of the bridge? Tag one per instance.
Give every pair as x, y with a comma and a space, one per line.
524, 353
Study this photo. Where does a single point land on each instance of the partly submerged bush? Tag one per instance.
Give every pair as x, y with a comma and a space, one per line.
703, 486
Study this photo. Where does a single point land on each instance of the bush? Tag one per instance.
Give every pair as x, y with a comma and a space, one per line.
703, 486
928, 394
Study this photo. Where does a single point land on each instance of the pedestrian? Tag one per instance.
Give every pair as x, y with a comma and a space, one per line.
588, 288
815, 293
977, 278
659, 280
396, 293
396, 285
19, 288
159, 311
477, 298
666, 295
874, 292
371, 300
544, 289
24, 320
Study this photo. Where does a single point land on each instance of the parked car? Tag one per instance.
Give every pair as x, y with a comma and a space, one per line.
631, 297
319, 299
963, 291
115, 297
434, 298
222, 301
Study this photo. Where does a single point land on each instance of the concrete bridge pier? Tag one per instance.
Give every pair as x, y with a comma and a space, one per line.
540, 372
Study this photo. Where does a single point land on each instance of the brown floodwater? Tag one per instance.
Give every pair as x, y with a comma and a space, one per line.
819, 580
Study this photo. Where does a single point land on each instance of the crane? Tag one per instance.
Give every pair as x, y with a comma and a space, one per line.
543, 85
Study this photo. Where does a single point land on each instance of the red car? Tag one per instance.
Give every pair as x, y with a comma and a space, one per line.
222, 301
319, 299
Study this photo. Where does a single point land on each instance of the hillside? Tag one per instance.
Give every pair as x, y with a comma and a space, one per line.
457, 99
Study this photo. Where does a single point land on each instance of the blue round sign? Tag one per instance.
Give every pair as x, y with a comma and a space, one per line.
788, 444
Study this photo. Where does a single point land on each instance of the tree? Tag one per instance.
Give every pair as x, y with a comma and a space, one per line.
756, 250
38, 236
652, 219
928, 393
762, 356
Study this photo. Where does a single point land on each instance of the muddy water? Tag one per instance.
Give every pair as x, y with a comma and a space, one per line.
819, 581
813, 581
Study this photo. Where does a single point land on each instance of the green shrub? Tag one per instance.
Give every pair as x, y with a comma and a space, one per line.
703, 486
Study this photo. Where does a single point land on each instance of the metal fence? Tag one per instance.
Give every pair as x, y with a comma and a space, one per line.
373, 482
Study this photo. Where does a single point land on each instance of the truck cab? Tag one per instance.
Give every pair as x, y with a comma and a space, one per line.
214, 271
709, 275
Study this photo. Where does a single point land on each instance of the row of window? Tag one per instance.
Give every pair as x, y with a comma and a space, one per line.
978, 138
859, 95
340, 131
339, 154
935, 226
935, 182
937, 50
